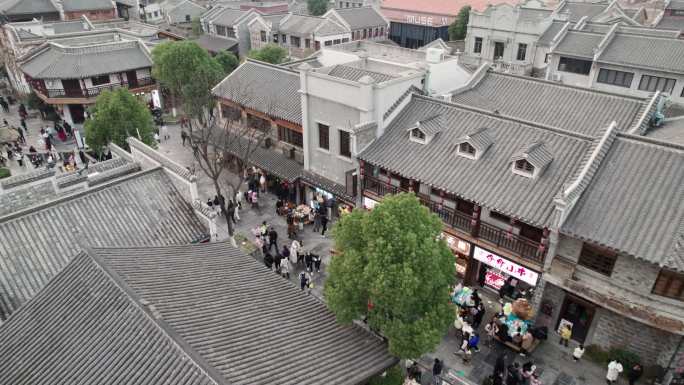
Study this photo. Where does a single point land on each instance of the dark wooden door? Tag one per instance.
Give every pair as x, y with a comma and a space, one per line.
132, 79
580, 313
498, 50
72, 87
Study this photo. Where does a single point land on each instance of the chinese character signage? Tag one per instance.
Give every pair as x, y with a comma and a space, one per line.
511, 268
494, 279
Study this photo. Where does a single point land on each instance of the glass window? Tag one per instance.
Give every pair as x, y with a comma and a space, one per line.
597, 259
478, 45
294, 41
328, 43
365, 33
290, 136
307, 43
337, 41
466, 148
616, 78
522, 52
524, 166
669, 284
345, 144
221, 30
258, 123
417, 134
100, 80
263, 36
656, 83
323, 136
284, 40
230, 113
576, 66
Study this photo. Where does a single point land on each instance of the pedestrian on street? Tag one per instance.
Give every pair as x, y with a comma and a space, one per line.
231, 211
500, 365
526, 343
565, 335
635, 373
273, 239
479, 315
317, 263
535, 380
184, 136
262, 183
473, 342
437, 367
19, 157
164, 130
23, 124
491, 328
578, 353
236, 211
614, 370
285, 265
5, 123
276, 261
324, 225
268, 260
294, 251
303, 280
316, 221
308, 261
513, 374
217, 205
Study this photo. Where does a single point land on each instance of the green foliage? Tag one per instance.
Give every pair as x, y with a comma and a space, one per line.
228, 61
271, 53
458, 29
117, 115
392, 258
393, 376
602, 357
5, 173
196, 27
188, 71
317, 7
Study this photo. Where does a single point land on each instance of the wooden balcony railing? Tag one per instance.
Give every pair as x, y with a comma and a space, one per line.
524, 247
92, 92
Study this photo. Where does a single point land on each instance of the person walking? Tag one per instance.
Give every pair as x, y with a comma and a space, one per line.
272, 239
308, 261
295, 246
317, 263
635, 373
184, 137
317, 221
165, 130
303, 280
513, 374
473, 342
236, 212
262, 183
217, 205
268, 260
491, 328
479, 315
565, 335
285, 264
614, 370
578, 353
276, 261
324, 225
437, 367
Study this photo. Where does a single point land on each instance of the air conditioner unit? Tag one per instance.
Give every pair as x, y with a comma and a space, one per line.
556, 77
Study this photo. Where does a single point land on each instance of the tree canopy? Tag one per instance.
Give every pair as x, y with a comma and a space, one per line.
196, 27
317, 7
228, 61
271, 53
393, 268
458, 29
115, 116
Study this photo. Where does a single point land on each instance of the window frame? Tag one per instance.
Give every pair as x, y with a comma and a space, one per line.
522, 48
657, 86
477, 45
262, 36
290, 136
524, 166
422, 138
611, 76
100, 77
588, 259
344, 152
323, 144
295, 41
570, 63
671, 277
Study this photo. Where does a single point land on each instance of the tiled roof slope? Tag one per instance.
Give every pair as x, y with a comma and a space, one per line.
18, 7
487, 181
300, 24
57, 62
84, 328
550, 32
140, 209
665, 54
361, 17
579, 9
553, 104
635, 202
577, 43
266, 88
354, 74
252, 326
86, 5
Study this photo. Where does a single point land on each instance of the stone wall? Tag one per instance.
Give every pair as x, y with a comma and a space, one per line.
652, 345
553, 296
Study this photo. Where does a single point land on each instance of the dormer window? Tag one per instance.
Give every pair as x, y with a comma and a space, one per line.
466, 148
531, 160
524, 166
474, 144
418, 135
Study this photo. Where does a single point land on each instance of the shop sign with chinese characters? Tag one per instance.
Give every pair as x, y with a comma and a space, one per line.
510, 268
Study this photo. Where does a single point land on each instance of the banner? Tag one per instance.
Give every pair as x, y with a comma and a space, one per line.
511, 268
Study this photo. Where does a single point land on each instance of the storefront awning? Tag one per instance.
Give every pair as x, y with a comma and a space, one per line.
270, 160
338, 190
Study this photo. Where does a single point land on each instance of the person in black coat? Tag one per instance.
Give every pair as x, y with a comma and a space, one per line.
268, 260
308, 261
272, 239
303, 280
437, 367
324, 224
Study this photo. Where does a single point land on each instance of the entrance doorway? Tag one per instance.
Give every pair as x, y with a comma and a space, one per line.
77, 113
72, 88
498, 50
132, 79
579, 313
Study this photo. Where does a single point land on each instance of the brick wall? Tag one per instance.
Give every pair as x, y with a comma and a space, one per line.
652, 345
636, 274
106, 14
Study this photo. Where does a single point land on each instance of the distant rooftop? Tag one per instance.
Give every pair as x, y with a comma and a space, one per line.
380, 51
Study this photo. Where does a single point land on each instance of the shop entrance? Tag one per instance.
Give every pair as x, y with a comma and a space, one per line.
578, 312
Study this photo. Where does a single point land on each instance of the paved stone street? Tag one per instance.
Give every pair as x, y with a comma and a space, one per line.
555, 362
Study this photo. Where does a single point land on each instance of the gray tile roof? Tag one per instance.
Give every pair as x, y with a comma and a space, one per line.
300, 24
329, 28
550, 32
571, 108
535, 153
579, 9
140, 209
664, 54
270, 160
354, 74
20, 7
86, 5
55, 62
635, 202
431, 125
361, 17
248, 323
676, 23
489, 180
85, 327
478, 138
270, 89
326, 184
676, 4
227, 17
580, 44
216, 44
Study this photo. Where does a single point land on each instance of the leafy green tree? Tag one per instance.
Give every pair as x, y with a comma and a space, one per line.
393, 269
177, 63
271, 53
458, 29
317, 7
197, 96
196, 27
115, 116
228, 61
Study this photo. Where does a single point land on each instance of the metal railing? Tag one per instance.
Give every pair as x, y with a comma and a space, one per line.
92, 92
517, 244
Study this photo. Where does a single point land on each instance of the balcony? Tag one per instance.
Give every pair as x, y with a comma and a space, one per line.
93, 92
526, 248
